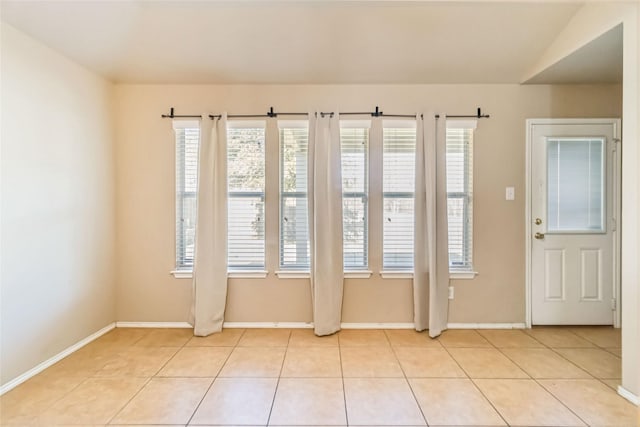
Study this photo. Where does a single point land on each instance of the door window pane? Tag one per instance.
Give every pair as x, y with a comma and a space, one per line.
575, 185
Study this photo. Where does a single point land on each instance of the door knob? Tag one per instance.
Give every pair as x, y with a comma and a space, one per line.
538, 221
539, 236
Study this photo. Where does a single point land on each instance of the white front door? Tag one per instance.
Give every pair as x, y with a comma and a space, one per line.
573, 203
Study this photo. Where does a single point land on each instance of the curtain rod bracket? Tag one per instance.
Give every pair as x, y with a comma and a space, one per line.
377, 113
271, 113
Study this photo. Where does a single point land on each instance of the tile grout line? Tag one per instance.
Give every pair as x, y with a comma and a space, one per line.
413, 393
214, 378
344, 390
473, 382
150, 377
541, 385
275, 392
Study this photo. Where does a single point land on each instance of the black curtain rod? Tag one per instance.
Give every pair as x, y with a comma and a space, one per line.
479, 115
180, 116
272, 114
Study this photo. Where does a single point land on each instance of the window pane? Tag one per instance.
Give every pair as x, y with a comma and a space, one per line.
575, 185
354, 212
460, 196
398, 184
294, 216
398, 232
355, 188
246, 174
187, 143
246, 231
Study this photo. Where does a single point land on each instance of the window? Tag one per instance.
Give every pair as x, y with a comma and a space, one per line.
354, 142
187, 143
460, 193
398, 187
575, 185
294, 215
246, 185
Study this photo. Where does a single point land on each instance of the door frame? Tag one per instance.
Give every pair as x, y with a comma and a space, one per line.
530, 123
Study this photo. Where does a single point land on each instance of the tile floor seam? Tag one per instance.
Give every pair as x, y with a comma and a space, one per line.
275, 392
413, 393
562, 403
555, 350
476, 386
548, 391
129, 401
210, 385
344, 390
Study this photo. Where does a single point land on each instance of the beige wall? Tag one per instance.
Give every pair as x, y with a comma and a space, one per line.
145, 196
57, 238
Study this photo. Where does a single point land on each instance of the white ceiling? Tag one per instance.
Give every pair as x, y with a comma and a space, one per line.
296, 41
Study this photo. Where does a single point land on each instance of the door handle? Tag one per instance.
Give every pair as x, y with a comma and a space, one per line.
539, 236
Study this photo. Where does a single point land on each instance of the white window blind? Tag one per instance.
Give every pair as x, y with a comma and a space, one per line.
354, 142
187, 135
246, 187
398, 188
460, 193
294, 214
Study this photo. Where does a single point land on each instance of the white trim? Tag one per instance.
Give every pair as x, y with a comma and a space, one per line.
617, 210
462, 275
486, 326
263, 325
182, 274
628, 395
358, 274
52, 360
391, 274
309, 325
247, 274
237, 274
293, 274
163, 325
377, 325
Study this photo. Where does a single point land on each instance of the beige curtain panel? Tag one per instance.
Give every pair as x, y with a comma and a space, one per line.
325, 222
431, 257
210, 258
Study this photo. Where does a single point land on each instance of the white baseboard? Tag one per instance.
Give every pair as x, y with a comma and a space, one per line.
628, 395
486, 326
309, 325
49, 362
159, 325
269, 325
377, 325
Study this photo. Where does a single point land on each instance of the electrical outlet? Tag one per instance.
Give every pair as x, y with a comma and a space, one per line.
451, 293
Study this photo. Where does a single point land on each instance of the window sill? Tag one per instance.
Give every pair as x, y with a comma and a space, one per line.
247, 274
357, 274
353, 274
397, 274
238, 274
462, 275
293, 274
182, 274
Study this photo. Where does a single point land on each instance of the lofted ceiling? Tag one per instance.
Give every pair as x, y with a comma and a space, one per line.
297, 41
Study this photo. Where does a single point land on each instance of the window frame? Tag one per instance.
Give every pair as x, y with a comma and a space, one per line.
465, 270
295, 270
247, 270
396, 271
366, 125
182, 262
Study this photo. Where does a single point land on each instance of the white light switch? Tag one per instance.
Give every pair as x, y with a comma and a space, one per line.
510, 193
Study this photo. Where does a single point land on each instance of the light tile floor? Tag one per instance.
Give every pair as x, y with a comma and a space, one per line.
260, 377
